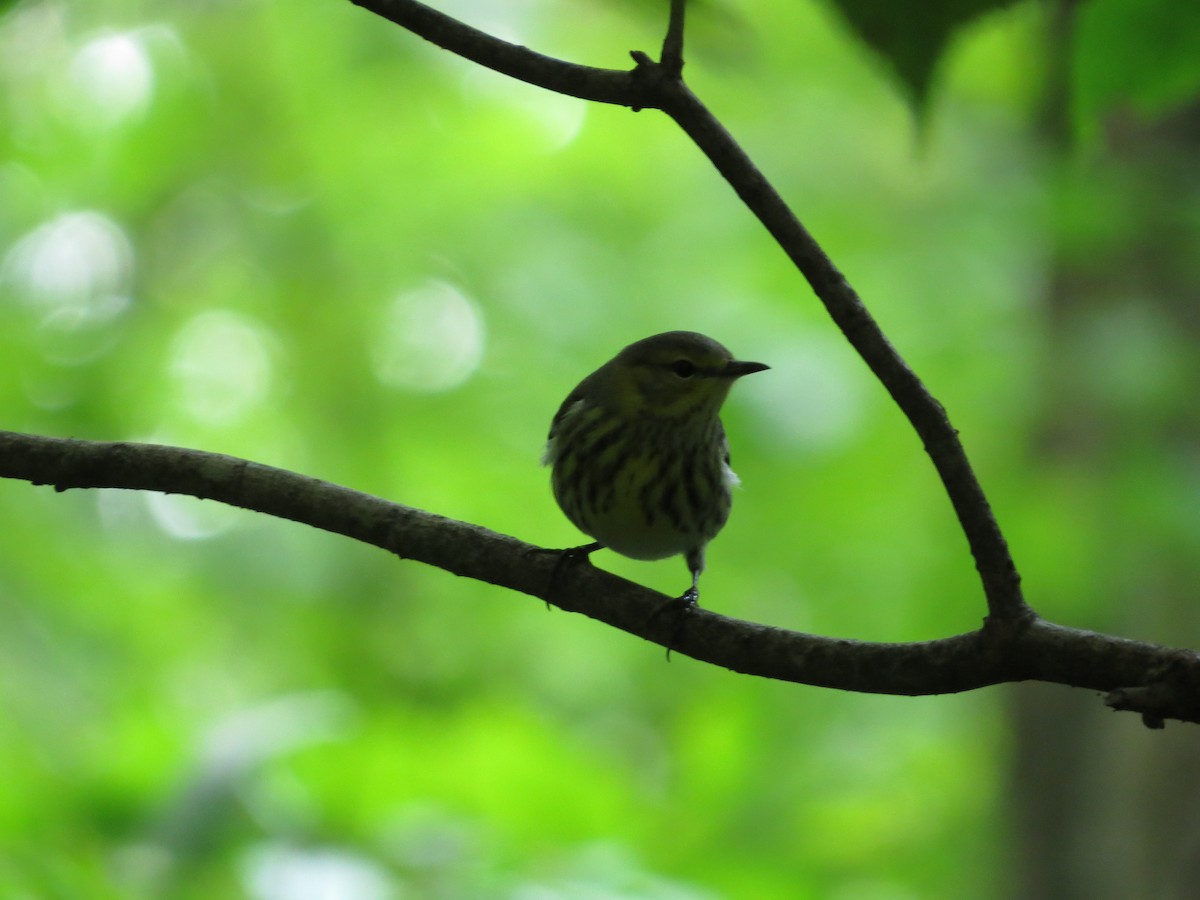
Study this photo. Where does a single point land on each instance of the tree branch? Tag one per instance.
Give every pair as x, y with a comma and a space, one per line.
1013, 645
1159, 682
654, 85
671, 59
1001, 583
584, 82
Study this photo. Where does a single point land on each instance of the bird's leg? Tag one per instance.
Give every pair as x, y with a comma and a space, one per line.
679, 607
690, 597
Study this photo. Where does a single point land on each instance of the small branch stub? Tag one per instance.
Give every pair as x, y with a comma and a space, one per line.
1173, 693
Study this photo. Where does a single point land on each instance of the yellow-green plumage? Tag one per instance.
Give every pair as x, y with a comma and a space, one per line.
640, 459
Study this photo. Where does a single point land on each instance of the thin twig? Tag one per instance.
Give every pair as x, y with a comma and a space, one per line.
998, 573
672, 49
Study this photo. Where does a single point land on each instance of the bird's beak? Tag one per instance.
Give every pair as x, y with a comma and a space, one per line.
736, 369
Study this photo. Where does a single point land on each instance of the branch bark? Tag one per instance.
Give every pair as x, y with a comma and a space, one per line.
652, 85
1014, 643
1159, 682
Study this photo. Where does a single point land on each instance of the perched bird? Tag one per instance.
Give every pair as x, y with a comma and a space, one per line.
639, 457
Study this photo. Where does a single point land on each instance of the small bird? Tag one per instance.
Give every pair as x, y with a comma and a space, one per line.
639, 457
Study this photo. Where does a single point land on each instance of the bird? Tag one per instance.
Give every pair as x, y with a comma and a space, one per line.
639, 458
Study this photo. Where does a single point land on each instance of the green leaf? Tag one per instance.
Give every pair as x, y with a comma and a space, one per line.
911, 37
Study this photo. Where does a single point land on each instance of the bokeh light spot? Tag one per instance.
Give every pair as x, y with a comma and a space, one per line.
75, 259
430, 339
110, 80
221, 367
188, 518
74, 271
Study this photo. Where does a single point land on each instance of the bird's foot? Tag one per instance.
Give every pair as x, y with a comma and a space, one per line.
575, 554
571, 556
679, 608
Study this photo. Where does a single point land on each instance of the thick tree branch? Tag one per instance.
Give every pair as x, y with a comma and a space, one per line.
660, 86
1014, 643
1159, 682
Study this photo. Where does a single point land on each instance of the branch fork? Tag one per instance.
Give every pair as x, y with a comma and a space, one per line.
1014, 643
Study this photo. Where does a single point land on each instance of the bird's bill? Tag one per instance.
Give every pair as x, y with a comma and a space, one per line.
736, 368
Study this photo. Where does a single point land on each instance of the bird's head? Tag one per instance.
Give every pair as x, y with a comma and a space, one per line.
676, 374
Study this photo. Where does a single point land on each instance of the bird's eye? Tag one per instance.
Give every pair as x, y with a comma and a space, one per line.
684, 368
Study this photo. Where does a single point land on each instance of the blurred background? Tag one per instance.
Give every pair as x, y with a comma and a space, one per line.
298, 234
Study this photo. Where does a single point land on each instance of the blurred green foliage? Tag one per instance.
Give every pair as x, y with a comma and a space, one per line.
912, 39
298, 234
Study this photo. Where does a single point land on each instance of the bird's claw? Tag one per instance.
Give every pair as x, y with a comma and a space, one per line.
568, 557
679, 607
575, 554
